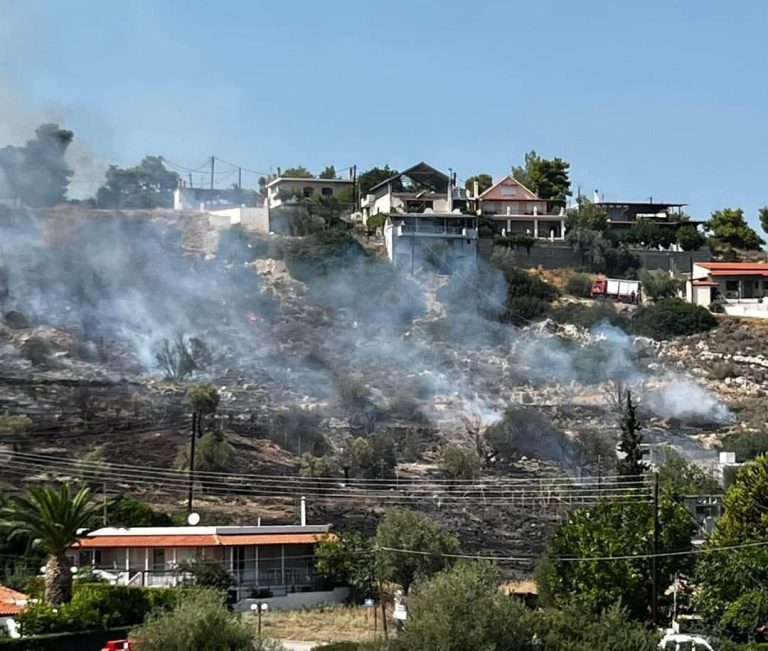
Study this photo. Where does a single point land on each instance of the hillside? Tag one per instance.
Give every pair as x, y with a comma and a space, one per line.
312, 343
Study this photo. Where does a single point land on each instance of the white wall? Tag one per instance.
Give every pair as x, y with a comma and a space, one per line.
297, 600
9, 625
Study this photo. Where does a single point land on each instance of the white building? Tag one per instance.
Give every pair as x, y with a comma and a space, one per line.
740, 287
287, 190
270, 563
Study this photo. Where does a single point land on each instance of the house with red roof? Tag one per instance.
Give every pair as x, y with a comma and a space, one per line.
517, 210
740, 287
272, 564
11, 604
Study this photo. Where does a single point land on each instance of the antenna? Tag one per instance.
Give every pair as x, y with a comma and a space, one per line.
193, 519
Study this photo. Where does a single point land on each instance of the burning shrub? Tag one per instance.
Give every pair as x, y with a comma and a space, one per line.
671, 317
16, 320
579, 284
36, 350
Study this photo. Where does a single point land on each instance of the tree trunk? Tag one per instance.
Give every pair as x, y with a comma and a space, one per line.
58, 581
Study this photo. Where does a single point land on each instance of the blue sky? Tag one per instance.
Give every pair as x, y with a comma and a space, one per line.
660, 98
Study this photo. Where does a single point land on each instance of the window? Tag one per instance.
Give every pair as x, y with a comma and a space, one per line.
731, 285
308, 191
327, 192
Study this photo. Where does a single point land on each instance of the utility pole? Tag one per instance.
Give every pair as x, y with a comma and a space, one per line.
654, 559
355, 192
239, 178
192, 462
213, 163
191, 185
104, 493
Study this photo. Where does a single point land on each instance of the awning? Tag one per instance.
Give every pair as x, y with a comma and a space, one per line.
211, 540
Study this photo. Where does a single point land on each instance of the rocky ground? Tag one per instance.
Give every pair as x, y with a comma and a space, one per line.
445, 377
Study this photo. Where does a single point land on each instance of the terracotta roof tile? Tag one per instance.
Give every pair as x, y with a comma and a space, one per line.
209, 540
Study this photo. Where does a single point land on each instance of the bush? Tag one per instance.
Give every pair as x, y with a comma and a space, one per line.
671, 317
15, 320
746, 445
460, 462
375, 221
199, 621
96, 607
212, 454
208, 573
745, 615
588, 316
689, 238
36, 350
317, 255
659, 284
579, 284
374, 457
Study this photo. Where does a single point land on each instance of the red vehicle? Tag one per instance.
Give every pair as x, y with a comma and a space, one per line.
120, 645
626, 291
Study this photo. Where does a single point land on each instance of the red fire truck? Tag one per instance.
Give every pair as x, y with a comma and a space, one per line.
626, 291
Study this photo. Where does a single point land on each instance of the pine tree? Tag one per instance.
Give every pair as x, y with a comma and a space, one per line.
632, 463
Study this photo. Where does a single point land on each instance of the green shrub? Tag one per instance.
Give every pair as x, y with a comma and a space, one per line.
15, 320
745, 615
212, 454
321, 253
716, 308
579, 284
36, 350
517, 240
460, 462
199, 621
689, 238
659, 284
375, 221
588, 316
746, 445
671, 317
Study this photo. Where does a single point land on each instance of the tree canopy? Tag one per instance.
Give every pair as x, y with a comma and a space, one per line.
731, 231
373, 176
614, 528
37, 174
410, 531
298, 172
52, 518
548, 178
484, 181
147, 185
328, 173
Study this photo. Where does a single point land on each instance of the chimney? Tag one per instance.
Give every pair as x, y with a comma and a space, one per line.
595, 197
450, 191
303, 511
476, 189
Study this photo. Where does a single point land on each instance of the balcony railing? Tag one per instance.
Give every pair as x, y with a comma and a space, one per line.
437, 231
249, 578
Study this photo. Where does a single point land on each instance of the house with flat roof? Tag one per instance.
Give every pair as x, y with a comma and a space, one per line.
516, 210
269, 563
740, 287
625, 214
288, 191
426, 217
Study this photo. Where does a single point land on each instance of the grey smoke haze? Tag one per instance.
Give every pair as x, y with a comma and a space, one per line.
127, 279
18, 120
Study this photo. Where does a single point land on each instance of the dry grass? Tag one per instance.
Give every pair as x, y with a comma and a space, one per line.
324, 624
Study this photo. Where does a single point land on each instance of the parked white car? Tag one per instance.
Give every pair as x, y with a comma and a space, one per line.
683, 642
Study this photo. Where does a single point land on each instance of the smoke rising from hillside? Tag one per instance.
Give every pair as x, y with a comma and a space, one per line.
128, 279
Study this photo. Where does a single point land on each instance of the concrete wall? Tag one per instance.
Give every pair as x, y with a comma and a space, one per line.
297, 600
252, 219
554, 256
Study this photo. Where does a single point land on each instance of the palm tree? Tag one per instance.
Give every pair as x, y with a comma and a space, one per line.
53, 519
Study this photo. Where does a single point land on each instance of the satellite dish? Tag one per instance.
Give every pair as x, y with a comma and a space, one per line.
193, 519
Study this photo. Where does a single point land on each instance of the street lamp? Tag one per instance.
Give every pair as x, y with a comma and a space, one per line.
259, 608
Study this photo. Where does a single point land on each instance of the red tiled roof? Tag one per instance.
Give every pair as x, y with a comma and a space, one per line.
207, 540
734, 266
9, 601
703, 282
210, 540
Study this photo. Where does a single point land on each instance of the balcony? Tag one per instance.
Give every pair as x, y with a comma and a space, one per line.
434, 230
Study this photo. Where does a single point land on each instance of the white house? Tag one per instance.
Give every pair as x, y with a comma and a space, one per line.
270, 563
287, 190
740, 287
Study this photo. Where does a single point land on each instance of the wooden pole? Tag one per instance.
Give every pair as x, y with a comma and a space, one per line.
192, 462
654, 559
